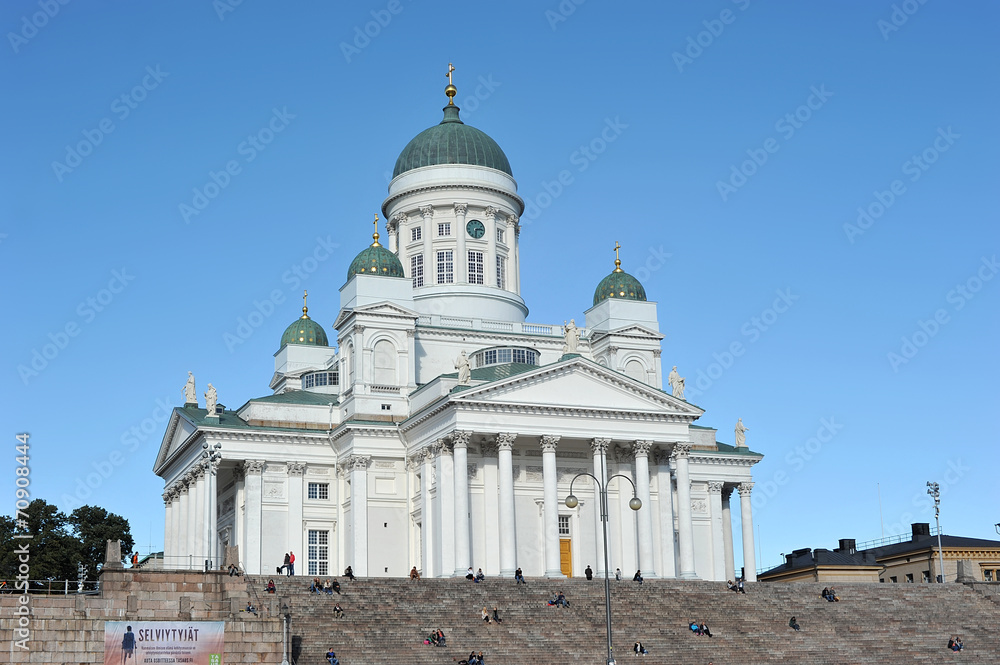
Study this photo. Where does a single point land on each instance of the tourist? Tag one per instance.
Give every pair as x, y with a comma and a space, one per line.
695, 628
485, 615
589, 573
441, 639
561, 600
316, 586
482, 661
704, 629
414, 575
328, 586
731, 586
349, 573
234, 570
432, 638
519, 577
251, 609
793, 624
833, 595
291, 563
637, 577
496, 614
472, 660
618, 574
639, 649
958, 646
469, 575
479, 575
739, 586
338, 611
336, 586
270, 586
284, 566
331, 657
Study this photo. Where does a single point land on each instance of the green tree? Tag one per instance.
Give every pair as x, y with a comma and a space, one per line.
93, 527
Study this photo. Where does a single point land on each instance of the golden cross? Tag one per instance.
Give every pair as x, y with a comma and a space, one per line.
305, 308
451, 68
375, 222
617, 247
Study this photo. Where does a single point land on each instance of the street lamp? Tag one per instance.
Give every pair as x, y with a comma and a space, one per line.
634, 504
997, 527
286, 616
935, 491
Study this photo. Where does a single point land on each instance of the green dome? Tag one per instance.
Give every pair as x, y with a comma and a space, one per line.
305, 331
451, 142
619, 284
376, 260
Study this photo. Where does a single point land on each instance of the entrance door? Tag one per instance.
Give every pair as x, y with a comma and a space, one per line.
565, 547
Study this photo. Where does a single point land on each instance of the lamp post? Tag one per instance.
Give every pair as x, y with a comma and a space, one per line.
997, 527
935, 491
634, 504
286, 616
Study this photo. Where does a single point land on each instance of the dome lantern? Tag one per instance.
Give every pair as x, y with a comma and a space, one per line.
619, 284
305, 331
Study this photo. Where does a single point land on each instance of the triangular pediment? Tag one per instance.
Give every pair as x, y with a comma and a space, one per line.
629, 331
179, 430
579, 384
384, 308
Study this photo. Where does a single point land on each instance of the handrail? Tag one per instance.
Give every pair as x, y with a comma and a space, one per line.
253, 589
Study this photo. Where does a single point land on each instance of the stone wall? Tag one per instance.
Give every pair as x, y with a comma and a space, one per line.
70, 628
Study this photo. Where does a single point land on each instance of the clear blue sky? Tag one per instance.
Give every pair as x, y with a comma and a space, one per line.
839, 111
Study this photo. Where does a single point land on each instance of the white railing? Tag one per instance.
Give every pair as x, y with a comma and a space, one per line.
491, 324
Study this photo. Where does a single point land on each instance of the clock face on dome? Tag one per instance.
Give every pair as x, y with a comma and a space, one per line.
475, 228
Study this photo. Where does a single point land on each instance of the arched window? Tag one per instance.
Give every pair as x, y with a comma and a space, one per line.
635, 369
385, 363
350, 364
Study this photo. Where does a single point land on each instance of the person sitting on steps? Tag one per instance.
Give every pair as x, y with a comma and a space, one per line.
485, 615
704, 629
637, 577
496, 615
331, 657
336, 586
316, 586
270, 586
338, 611
793, 624
328, 586
441, 641
479, 575
349, 573
414, 575
638, 648
519, 577
469, 575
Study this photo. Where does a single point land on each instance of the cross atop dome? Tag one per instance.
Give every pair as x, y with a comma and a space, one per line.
450, 89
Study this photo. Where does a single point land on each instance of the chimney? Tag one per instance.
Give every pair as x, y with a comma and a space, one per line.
848, 545
920, 529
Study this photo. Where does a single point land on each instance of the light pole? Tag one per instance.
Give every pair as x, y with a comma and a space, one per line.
634, 504
286, 616
935, 491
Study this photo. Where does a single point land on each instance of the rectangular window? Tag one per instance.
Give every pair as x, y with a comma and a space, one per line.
501, 272
321, 378
334, 378
893, 579
564, 525
503, 355
310, 380
909, 578
445, 267
415, 233
417, 269
987, 575
490, 357
319, 552
500, 236
444, 229
475, 267
319, 491
520, 356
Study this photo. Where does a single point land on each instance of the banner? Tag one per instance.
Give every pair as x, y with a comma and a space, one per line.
164, 642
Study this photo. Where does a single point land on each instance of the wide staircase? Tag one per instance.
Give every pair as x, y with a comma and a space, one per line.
386, 621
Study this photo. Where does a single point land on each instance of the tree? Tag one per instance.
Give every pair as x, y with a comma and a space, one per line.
58, 543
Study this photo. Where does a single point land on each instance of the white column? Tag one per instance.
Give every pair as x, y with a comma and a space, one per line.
718, 537
446, 500
727, 532
206, 527
293, 534
463, 556
430, 264
685, 532
551, 506
490, 260
392, 230
168, 526
396, 230
600, 450
461, 260
252, 470
239, 526
627, 544
508, 527
183, 525
645, 514
665, 493
200, 494
511, 237
213, 516
427, 525
358, 557
491, 510
746, 517
517, 258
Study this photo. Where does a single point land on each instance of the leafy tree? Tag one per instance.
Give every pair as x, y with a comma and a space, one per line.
58, 543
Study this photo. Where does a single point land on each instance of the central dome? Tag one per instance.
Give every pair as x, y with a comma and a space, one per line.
451, 142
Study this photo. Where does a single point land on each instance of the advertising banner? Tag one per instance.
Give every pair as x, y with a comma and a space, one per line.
164, 642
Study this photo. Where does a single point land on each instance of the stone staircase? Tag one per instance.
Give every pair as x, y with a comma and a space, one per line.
386, 620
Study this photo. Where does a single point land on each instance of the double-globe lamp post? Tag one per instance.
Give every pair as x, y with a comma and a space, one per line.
634, 504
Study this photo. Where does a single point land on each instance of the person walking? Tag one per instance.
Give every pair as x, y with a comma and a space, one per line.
589, 573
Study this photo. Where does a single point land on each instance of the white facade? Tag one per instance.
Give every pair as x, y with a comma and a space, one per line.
374, 455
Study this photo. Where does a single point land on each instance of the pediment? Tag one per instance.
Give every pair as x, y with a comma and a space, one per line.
629, 331
179, 430
384, 308
579, 385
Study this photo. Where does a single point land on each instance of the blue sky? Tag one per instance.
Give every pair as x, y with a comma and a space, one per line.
807, 190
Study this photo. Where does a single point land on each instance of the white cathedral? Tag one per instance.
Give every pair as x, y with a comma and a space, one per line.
444, 431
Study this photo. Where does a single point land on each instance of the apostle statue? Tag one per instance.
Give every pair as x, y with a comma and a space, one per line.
571, 337
464, 371
211, 400
190, 394
741, 437
676, 382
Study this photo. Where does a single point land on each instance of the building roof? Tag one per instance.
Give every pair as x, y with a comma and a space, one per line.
451, 142
619, 284
304, 331
298, 397
375, 260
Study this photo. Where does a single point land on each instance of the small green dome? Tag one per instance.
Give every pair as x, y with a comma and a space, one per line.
451, 142
376, 260
305, 331
619, 284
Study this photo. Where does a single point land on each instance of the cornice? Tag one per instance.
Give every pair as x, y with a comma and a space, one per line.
423, 189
